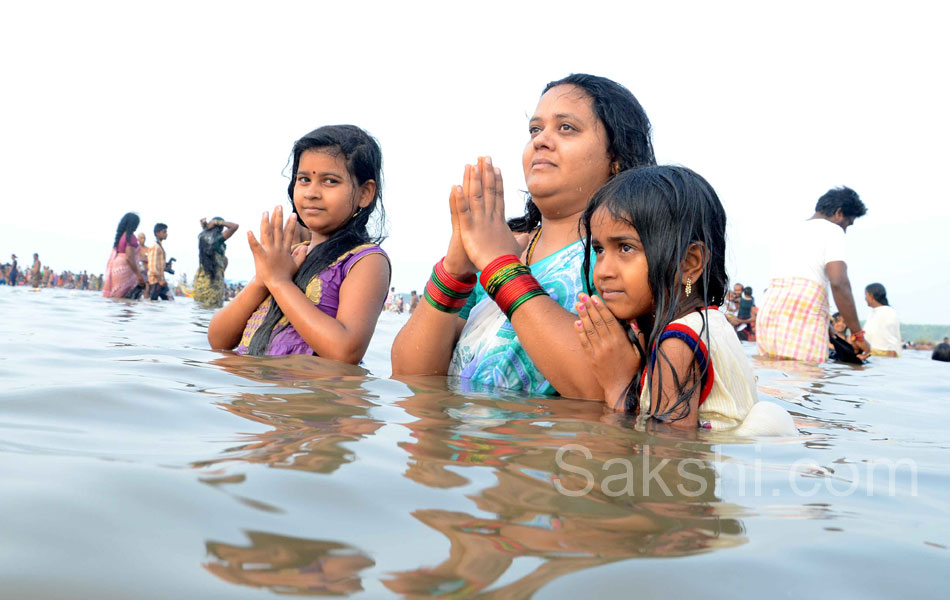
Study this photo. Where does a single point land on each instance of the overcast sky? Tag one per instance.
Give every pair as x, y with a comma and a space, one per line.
182, 110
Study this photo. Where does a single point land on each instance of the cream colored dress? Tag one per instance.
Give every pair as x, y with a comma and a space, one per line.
728, 390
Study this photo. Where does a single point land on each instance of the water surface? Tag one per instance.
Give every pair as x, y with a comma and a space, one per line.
136, 462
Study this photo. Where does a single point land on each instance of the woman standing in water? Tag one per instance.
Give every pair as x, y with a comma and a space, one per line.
209, 281
520, 334
883, 327
122, 270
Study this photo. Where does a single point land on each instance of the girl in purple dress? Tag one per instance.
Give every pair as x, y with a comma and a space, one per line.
324, 296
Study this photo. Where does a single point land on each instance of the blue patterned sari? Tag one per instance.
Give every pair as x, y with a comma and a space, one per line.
489, 353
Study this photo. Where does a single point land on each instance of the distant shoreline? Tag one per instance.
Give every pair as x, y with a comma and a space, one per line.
932, 333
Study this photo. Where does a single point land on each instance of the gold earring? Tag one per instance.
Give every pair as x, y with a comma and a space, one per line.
614, 168
689, 286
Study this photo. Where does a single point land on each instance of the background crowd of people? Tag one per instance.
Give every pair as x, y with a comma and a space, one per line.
882, 326
135, 270
399, 302
39, 275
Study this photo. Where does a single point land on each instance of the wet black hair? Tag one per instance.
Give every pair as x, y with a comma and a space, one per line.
877, 292
127, 226
158, 227
672, 208
941, 352
211, 243
628, 131
364, 162
844, 199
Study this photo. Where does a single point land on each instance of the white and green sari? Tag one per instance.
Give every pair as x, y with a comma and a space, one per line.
489, 353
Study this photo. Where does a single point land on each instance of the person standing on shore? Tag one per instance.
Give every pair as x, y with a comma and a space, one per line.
793, 321
158, 288
883, 327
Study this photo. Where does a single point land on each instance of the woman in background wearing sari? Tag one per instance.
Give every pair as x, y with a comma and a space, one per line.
122, 271
209, 285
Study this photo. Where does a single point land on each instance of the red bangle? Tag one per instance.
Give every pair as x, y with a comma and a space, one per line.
445, 292
489, 270
442, 298
463, 287
509, 283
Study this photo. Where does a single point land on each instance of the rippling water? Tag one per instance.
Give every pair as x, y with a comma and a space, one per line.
136, 463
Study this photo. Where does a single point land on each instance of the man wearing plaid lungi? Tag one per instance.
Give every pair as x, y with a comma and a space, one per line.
793, 321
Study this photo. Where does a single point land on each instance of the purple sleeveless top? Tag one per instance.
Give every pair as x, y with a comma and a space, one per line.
323, 290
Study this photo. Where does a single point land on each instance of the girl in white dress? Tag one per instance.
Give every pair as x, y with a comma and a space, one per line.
654, 336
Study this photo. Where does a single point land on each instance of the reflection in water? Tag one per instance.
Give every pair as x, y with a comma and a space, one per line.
321, 406
291, 369
648, 497
817, 389
290, 565
124, 315
309, 430
484, 549
324, 409
645, 496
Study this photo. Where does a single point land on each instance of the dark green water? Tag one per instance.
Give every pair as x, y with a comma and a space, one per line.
136, 463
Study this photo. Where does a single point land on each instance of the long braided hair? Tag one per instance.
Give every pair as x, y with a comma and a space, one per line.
364, 162
127, 226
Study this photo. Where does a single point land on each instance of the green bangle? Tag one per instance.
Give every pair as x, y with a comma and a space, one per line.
445, 289
443, 308
523, 299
